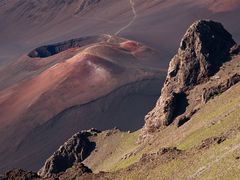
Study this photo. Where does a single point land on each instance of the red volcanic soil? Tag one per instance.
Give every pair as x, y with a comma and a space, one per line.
81, 78
129, 45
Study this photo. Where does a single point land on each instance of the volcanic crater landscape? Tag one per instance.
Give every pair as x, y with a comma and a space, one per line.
128, 89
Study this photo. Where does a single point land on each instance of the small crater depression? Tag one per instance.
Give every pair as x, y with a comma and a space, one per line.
50, 50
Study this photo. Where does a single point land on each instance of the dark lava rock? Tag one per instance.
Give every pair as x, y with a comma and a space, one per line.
203, 49
169, 150
19, 174
214, 91
212, 141
77, 170
235, 50
76, 149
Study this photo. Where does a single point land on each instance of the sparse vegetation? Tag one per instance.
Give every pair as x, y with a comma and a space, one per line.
219, 160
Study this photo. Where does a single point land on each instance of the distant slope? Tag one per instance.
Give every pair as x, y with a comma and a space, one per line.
25, 26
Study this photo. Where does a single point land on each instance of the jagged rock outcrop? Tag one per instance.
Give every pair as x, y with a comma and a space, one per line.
77, 170
75, 150
203, 49
74, 172
19, 174
216, 90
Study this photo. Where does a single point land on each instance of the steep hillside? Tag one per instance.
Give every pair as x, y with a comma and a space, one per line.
200, 149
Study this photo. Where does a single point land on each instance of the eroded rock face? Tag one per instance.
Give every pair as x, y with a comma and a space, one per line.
75, 150
203, 49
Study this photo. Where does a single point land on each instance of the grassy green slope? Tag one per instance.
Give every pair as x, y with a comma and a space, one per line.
219, 118
202, 157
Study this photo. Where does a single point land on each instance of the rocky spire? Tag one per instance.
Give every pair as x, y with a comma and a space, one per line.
204, 48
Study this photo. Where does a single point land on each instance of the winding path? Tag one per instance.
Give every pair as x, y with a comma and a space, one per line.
132, 3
